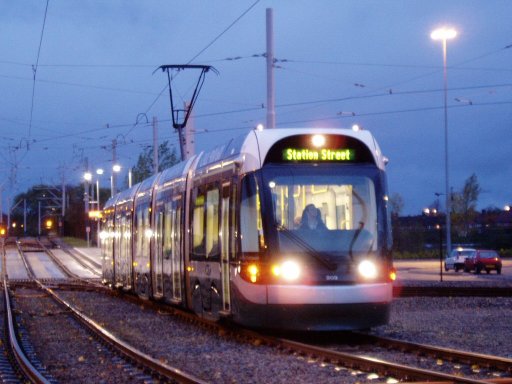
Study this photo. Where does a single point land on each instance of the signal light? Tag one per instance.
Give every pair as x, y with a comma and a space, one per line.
392, 274
3, 231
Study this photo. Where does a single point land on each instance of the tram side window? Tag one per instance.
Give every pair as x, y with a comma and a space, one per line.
205, 224
212, 223
143, 231
198, 236
251, 234
168, 230
139, 232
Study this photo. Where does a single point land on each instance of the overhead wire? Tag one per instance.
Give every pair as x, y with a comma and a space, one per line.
34, 68
215, 39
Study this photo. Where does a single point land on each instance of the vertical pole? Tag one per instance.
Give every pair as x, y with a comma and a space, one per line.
24, 216
189, 134
8, 214
155, 145
271, 114
114, 161
39, 218
447, 177
441, 253
1, 208
4, 261
98, 194
63, 205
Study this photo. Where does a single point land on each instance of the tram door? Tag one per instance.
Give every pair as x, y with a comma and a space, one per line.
175, 230
225, 246
158, 287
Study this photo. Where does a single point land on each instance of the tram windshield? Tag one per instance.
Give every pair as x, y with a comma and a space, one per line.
328, 211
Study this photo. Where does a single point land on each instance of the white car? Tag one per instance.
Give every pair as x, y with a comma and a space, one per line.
457, 258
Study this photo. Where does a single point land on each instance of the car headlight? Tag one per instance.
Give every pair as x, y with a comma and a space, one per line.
367, 269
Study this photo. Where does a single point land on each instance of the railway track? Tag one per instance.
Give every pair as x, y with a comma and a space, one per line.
372, 365
138, 366
375, 367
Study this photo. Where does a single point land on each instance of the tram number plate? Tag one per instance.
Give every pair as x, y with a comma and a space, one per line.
489, 266
331, 277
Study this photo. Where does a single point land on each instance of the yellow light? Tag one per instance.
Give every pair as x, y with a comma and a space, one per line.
443, 33
49, 224
190, 268
252, 270
318, 140
276, 270
95, 215
392, 274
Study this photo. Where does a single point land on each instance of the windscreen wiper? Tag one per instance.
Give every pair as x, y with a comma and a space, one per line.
309, 249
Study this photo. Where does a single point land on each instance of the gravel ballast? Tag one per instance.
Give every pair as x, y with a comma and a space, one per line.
474, 324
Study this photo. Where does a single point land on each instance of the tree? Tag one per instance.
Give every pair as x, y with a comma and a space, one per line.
396, 202
464, 205
144, 167
41, 206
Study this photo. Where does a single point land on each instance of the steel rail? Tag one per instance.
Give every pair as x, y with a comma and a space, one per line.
84, 260
24, 363
119, 345
129, 351
465, 357
348, 360
381, 366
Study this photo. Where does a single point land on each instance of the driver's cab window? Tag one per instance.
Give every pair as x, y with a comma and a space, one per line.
251, 232
338, 215
338, 206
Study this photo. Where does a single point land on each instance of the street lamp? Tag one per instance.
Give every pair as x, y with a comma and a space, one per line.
87, 199
99, 172
445, 34
116, 168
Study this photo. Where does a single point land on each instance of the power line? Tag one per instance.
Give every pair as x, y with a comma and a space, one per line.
34, 69
224, 31
200, 53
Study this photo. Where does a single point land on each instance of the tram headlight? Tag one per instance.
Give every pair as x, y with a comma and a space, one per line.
288, 270
367, 269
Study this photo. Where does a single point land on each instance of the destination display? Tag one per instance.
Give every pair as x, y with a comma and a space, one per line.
337, 149
307, 154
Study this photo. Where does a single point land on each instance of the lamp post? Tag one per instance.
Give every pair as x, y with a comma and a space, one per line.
445, 34
116, 168
99, 172
87, 178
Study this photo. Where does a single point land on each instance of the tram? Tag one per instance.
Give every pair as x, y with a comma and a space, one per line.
278, 228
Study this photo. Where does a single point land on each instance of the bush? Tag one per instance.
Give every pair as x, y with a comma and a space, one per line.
420, 255
75, 242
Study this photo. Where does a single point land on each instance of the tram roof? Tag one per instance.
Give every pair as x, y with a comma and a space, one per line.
256, 144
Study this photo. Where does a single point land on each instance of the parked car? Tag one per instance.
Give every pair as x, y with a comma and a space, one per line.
457, 257
483, 259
